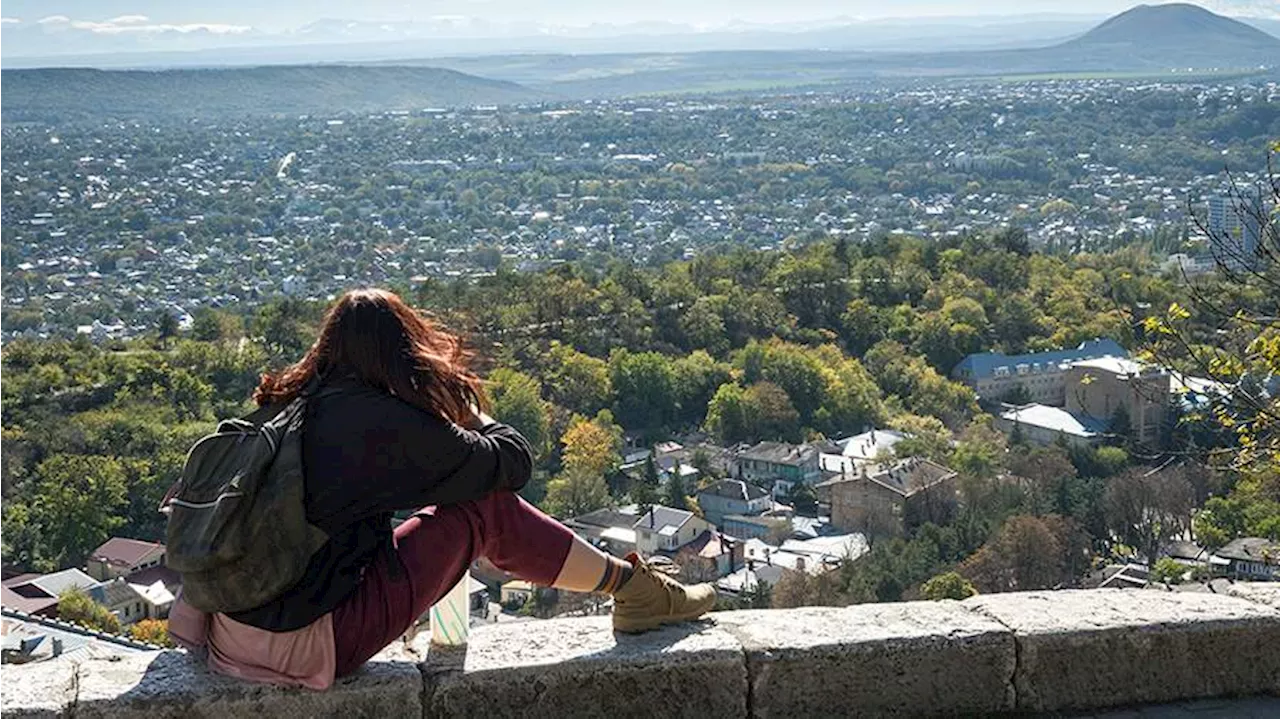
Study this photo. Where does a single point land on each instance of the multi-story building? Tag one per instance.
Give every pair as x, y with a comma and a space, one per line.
1099, 389
1234, 224
995, 376
778, 465
887, 502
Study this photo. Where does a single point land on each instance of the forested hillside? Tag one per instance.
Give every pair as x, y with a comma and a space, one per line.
814, 341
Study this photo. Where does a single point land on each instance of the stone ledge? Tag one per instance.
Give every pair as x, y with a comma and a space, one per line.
580, 668
1028, 652
910, 659
1086, 649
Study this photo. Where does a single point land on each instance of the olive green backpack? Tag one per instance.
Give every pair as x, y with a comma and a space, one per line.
238, 531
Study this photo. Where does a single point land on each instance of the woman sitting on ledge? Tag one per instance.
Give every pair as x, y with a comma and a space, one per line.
403, 432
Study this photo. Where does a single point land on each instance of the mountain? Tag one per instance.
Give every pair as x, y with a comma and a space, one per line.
1176, 34
48, 94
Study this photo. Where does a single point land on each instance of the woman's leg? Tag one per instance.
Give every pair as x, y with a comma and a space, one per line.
437, 547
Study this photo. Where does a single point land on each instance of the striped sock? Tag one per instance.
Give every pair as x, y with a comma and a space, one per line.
616, 573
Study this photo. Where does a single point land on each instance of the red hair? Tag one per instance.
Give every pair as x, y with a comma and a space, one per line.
373, 335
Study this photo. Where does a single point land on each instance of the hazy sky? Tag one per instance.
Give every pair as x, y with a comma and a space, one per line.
132, 16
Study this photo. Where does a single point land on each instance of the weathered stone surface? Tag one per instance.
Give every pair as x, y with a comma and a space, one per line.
41, 690
911, 659
1086, 649
172, 684
580, 668
1261, 592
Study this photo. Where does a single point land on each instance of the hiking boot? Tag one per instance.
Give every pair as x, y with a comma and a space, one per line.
651, 598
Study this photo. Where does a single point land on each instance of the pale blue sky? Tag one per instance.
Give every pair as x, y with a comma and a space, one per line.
280, 15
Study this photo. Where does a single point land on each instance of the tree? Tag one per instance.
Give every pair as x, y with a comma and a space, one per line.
1169, 571
948, 585
591, 445
1044, 469
577, 380
575, 492
152, 631
644, 385
517, 401
1146, 508
590, 452
1028, 553
72, 506
803, 499
168, 327
76, 607
675, 493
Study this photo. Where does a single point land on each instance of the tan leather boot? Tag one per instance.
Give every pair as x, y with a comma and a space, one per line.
651, 598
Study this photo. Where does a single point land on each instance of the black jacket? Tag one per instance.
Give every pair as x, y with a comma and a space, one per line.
366, 456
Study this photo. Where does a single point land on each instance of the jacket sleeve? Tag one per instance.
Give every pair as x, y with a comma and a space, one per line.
417, 459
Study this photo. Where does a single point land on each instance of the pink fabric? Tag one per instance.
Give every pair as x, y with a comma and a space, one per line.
304, 657
436, 547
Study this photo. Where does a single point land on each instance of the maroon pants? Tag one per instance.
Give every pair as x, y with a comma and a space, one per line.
437, 547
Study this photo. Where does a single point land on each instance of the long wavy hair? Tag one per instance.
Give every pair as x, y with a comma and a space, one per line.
373, 335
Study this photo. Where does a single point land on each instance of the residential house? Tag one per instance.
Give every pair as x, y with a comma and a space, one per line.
778, 465
612, 530
1103, 387
665, 530
40, 605
1041, 374
122, 599
711, 556
673, 466
891, 500
120, 557
1251, 558
733, 496
37, 594
1044, 425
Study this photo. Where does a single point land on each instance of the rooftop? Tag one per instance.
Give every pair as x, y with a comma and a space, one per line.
735, 489
869, 445
124, 552
984, 364
9, 599
18, 626
911, 475
58, 582
1055, 419
1113, 365
663, 520
779, 453
1251, 549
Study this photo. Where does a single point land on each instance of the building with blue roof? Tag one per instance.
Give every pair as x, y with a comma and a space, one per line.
993, 375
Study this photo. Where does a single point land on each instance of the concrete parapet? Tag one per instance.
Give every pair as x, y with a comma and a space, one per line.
1020, 652
579, 668
1098, 648
910, 659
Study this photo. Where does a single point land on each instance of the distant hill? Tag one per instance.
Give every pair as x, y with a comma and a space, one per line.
48, 94
1177, 34
1173, 25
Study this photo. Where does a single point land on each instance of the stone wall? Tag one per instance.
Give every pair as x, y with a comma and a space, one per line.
1025, 652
